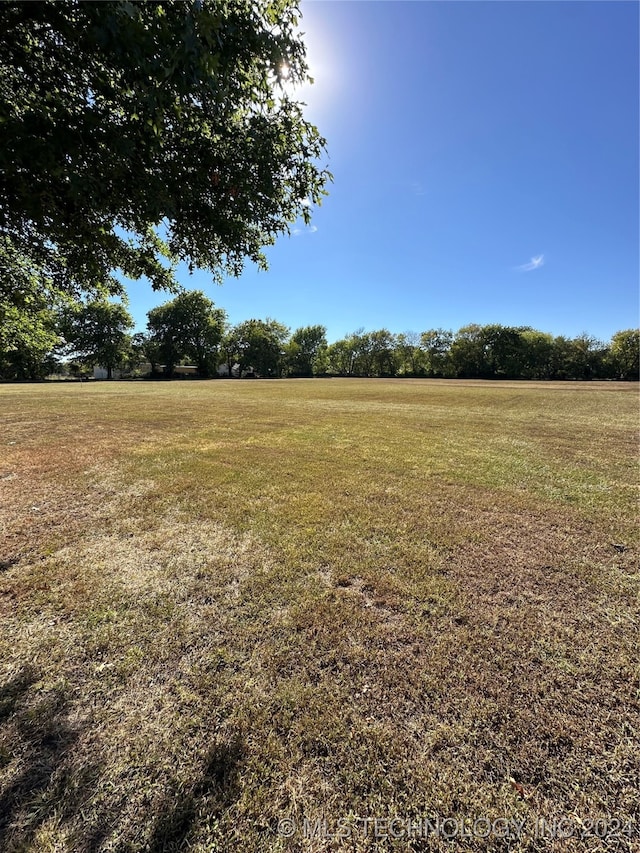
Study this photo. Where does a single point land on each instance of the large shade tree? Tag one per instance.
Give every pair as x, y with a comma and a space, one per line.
257, 345
436, 346
97, 333
187, 327
135, 135
28, 340
306, 351
409, 355
625, 354
29, 331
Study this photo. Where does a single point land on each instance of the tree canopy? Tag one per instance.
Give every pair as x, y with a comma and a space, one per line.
306, 350
625, 353
189, 326
135, 135
257, 345
97, 333
28, 318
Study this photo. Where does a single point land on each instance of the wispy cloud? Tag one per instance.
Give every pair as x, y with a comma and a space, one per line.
417, 188
533, 264
298, 232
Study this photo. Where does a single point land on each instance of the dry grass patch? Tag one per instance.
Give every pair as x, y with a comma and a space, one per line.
119, 710
241, 603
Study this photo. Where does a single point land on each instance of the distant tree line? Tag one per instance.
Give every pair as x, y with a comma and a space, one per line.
486, 352
44, 332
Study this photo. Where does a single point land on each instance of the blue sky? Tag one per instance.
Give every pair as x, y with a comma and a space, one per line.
485, 161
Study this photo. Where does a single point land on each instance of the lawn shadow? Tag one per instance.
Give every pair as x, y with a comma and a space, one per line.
214, 792
36, 776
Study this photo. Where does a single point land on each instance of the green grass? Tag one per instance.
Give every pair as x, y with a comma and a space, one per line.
231, 603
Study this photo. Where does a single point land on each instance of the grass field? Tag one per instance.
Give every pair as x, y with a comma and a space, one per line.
319, 615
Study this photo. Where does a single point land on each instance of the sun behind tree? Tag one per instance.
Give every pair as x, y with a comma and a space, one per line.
124, 121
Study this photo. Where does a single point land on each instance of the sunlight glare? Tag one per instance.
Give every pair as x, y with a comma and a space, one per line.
323, 67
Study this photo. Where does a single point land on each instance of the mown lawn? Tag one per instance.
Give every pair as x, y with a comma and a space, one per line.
317, 615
